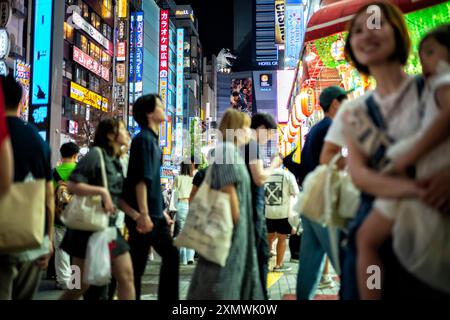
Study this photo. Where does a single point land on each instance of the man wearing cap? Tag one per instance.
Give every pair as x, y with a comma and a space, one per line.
315, 240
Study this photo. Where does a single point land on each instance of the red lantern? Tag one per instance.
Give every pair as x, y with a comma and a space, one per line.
308, 101
295, 122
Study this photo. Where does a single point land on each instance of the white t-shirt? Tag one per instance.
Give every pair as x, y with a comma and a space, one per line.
400, 111
279, 188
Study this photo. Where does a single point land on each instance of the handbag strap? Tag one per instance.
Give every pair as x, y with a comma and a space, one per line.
102, 167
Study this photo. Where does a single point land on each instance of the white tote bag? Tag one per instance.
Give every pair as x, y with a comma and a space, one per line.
86, 213
209, 225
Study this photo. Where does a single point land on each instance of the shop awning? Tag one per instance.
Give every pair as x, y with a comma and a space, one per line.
334, 18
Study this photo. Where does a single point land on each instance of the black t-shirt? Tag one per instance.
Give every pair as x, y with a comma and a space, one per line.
314, 143
199, 177
252, 154
31, 152
145, 165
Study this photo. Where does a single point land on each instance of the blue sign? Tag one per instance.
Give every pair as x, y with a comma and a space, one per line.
139, 45
40, 115
180, 72
295, 32
132, 50
42, 52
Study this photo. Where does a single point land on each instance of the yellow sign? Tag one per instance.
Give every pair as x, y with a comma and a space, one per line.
122, 8
88, 97
168, 149
279, 21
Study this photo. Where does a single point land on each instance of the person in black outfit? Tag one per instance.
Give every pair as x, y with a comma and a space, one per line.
149, 226
263, 125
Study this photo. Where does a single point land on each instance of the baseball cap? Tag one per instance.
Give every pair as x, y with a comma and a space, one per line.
329, 94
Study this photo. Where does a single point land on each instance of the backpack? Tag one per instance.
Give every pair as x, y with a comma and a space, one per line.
62, 195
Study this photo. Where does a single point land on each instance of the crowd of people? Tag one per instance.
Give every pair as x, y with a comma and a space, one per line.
400, 165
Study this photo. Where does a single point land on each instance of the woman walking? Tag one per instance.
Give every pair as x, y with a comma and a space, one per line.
183, 187
86, 180
239, 278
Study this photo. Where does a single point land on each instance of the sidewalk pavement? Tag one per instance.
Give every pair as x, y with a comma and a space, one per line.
282, 285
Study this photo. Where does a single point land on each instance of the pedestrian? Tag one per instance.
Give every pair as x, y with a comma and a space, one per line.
6, 158
414, 227
20, 272
86, 179
183, 186
396, 97
69, 157
315, 244
281, 189
149, 226
263, 128
239, 278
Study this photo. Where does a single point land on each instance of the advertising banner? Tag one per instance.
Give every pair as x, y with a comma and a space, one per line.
88, 97
139, 48
180, 72
285, 78
121, 51
122, 8
279, 21
241, 95
164, 44
23, 75
42, 52
295, 31
94, 33
89, 63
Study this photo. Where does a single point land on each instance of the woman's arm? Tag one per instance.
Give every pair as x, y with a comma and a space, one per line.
374, 183
231, 191
329, 150
7, 166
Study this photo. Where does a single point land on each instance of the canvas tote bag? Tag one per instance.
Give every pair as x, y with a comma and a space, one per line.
86, 213
22, 216
209, 225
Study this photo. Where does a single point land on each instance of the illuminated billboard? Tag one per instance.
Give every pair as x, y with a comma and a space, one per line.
285, 79
295, 31
180, 72
88, 97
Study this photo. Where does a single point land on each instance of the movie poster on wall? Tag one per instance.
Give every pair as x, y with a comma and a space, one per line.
241, 97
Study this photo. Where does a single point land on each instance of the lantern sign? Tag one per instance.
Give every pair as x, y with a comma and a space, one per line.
295, 122
308, 101
338, 50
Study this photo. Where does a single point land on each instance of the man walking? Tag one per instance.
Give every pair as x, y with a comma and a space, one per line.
142, 191
315, 240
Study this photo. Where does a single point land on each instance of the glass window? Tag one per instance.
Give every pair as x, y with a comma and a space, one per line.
68, 32
106, 60
84, 44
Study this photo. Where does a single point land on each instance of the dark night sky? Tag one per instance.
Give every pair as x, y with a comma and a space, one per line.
215, 19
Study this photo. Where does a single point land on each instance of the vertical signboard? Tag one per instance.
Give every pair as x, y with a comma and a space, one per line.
163, 68
279, 22
139, 53
180, 72
122, 8
42, 40
295, 30
285, 79
23, 75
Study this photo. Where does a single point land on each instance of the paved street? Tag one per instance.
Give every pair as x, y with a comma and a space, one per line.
282, 286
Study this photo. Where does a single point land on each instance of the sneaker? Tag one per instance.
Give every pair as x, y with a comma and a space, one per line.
282, 268
326, 282
293, 260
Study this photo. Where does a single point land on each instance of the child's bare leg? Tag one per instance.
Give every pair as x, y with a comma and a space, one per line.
375, 230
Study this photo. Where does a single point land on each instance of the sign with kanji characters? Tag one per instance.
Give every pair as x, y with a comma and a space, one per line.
164, 44
89, 63
180, 72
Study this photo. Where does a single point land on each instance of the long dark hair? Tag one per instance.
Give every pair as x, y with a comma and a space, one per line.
440, 34
186, 169
104, 128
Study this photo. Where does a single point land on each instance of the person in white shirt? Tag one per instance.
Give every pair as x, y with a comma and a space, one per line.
280, 189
